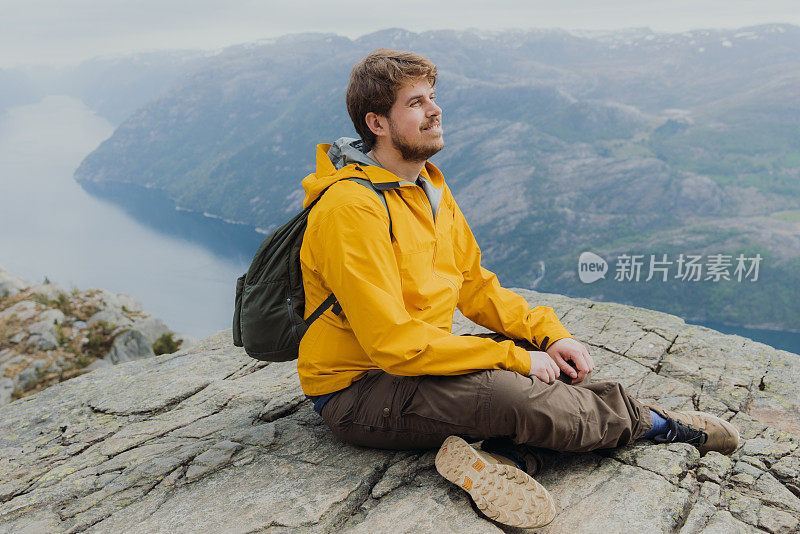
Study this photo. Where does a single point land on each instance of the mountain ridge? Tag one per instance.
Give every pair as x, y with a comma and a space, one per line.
581, 147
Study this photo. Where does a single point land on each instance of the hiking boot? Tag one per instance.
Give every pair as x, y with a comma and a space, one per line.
499, 489
523, 456
705, 431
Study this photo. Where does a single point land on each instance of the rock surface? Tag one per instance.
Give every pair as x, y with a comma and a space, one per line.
49, 334
10, 285
207, 439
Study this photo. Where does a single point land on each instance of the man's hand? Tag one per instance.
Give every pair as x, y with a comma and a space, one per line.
569, 350
542, 366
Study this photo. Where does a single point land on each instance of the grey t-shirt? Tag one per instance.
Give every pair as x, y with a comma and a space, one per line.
433, 193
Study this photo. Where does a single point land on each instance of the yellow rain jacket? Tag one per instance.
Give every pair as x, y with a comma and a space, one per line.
398, 295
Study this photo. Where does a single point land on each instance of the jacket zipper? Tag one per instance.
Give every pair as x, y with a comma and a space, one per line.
291, 319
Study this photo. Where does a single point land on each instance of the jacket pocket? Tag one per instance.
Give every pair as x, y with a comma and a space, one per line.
373, 398
453, 401
416, 275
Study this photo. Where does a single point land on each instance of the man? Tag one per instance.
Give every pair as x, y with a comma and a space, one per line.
387, 372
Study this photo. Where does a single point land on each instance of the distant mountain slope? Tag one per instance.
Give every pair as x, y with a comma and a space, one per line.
626, 142
112, 87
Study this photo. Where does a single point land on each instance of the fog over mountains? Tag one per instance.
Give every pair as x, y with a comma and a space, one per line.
626, 142
112, 87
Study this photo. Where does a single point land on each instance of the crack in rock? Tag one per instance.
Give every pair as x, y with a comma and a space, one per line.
657, 369
347, 516
168, 406
281, 407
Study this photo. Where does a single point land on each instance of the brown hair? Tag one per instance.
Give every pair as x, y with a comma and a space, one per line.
375, 80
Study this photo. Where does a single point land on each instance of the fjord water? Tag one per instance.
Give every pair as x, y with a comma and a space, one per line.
181, 265
128, 239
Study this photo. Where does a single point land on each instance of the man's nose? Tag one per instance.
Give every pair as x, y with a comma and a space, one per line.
433, 109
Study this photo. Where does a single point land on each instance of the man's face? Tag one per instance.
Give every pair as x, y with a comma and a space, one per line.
415, 122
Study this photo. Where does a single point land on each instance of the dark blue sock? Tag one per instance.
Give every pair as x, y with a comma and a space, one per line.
659, 426
491, 445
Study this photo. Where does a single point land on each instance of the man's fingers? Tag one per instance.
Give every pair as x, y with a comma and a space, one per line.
582, 364
554, 369
590, 360
564, 366
539, 373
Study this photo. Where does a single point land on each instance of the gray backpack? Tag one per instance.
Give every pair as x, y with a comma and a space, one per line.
270, 300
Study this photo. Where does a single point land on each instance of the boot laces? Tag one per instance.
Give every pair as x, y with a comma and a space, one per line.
681, 433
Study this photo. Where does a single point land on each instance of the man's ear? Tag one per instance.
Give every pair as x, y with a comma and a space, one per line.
376, 123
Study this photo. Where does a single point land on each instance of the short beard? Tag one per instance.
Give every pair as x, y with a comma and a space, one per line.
413, 153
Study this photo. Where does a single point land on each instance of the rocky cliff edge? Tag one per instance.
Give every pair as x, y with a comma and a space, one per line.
207, 439
49, 334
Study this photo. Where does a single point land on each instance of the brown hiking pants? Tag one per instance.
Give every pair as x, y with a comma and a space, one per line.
408, 412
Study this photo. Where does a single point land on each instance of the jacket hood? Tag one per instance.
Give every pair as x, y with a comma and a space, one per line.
347, 150
346, 158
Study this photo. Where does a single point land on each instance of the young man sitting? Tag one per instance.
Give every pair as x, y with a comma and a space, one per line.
387, 372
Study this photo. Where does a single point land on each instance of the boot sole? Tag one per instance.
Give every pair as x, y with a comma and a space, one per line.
504, 493
728, 427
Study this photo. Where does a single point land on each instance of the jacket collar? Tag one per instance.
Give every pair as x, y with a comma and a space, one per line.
347, 153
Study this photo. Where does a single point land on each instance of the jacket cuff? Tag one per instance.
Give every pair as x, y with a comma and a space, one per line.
553, 333
522, 361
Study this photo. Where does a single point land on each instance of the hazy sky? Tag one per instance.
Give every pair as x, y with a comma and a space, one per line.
66, 31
